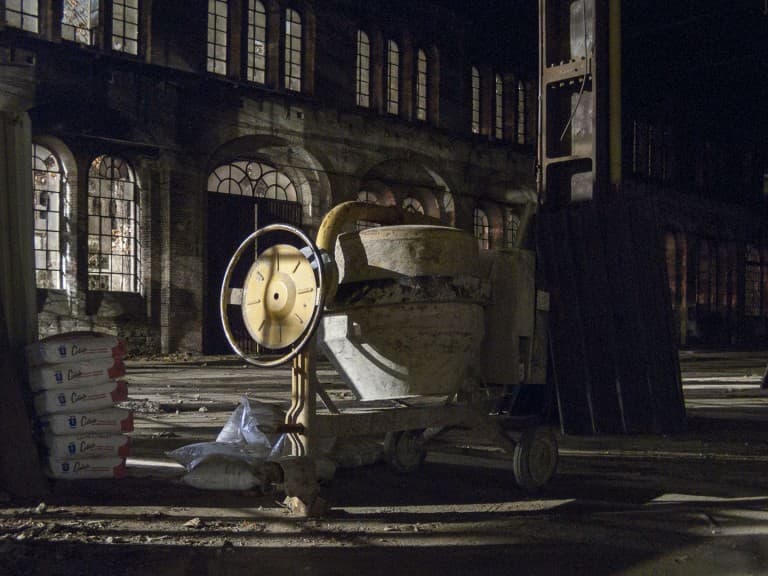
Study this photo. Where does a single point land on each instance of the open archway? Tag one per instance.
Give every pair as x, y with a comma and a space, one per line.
251, 183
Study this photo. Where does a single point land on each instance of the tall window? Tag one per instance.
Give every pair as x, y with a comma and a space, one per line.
47, 186
482, 230
23, 14
250, 178
257, 42
80, 20
671, 257
393, 77
511, 229
522, 110
753, 282
292, 50
217, 36
726, 281
363, 71
114, 250
125, 26
706, 276
475, 101
422, 75
499, 108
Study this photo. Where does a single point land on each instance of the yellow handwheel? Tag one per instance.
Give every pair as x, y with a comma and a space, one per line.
281, 299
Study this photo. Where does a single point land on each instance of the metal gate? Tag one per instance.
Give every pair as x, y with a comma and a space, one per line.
231, 219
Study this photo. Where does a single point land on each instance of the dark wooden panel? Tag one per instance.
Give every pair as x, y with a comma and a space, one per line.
628, 303
588, 247
570, 372
613, 346
665, 387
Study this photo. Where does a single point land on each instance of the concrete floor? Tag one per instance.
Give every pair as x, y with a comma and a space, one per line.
694, 503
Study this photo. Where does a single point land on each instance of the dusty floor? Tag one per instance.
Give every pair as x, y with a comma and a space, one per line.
694, 503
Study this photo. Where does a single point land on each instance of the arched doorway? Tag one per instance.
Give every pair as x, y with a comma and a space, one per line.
243, 195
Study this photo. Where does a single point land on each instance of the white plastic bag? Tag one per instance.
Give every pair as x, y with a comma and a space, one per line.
222, 473
192, 455
248, 436
252, 423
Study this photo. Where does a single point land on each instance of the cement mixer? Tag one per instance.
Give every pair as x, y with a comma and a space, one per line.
429, 333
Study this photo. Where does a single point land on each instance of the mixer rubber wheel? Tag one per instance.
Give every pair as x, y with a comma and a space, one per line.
535, 458
404, 450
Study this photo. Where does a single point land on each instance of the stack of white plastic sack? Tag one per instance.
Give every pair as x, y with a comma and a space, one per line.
77, 381
234, 461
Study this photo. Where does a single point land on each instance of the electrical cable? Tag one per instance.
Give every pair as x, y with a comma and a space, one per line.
583, 78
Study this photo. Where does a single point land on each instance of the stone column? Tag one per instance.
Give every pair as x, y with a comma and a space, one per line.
20, 472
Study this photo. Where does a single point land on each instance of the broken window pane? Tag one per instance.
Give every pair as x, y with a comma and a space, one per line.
113, 227
80, 20
46, 190
252, 179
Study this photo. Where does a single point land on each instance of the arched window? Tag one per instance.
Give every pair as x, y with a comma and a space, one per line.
363, 71
293, 50
80, 20
371, 198
47, 187
499, 108
218, 15
753, 282
511, 229
257, 42
250, 178
412, 205
125, 26
393, 77
422, 78
23, 14
475, 101
449, 208
114, 250
522, 110
482, 230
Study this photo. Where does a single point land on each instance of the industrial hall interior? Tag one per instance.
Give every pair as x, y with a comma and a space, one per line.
162, 133
342, 286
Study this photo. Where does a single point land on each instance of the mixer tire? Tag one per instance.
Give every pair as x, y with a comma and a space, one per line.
404, 450
535, 458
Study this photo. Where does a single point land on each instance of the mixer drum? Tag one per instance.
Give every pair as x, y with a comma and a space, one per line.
407, 319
